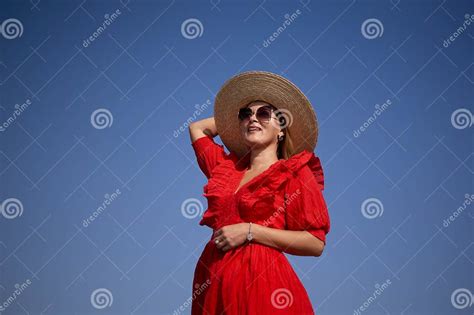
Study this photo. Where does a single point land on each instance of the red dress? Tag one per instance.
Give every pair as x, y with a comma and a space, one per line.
255, 278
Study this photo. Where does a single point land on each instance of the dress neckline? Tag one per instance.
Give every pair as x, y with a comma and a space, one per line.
244, 171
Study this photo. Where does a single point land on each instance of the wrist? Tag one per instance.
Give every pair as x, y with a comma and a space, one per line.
249, 235
255, 229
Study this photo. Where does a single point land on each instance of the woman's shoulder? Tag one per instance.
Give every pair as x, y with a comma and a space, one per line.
299, 168
303, 166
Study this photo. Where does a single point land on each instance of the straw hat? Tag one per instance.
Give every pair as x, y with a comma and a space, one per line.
271, 88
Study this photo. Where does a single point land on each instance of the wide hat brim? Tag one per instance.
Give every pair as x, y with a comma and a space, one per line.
272, 88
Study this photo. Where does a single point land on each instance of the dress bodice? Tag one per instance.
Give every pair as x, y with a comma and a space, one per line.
287, 195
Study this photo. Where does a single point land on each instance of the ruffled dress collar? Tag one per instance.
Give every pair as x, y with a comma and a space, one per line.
285, 168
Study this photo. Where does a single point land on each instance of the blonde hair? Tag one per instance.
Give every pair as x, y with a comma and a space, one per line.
285, 147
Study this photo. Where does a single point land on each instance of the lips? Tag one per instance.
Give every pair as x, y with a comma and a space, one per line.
253, 128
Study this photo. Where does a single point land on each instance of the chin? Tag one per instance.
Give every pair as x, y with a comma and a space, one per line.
253, 136
253, 140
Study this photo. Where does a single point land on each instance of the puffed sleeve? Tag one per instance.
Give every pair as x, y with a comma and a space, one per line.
306, 208
208, 153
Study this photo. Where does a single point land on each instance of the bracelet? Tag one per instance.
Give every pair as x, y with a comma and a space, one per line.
249, 234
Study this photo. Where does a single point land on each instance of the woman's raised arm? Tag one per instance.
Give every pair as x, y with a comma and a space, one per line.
201, 128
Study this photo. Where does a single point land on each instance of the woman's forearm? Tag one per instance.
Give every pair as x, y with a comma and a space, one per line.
206, 126
300, 243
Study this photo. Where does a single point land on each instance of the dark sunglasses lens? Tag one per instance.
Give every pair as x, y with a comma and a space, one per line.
245, 113
264, 113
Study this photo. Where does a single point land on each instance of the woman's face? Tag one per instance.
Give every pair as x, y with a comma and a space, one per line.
265, 133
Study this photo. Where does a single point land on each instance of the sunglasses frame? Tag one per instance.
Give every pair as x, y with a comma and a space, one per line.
256, 114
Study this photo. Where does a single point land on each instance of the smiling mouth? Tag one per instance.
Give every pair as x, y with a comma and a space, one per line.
253, 128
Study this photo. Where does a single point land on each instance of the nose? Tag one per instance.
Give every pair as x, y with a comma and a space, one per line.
251, 118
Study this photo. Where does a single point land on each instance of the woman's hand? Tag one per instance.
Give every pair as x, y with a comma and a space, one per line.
231, 236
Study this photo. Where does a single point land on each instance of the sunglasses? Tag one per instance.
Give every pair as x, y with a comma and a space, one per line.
263, 114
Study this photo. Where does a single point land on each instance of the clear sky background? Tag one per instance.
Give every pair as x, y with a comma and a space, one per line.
391, 188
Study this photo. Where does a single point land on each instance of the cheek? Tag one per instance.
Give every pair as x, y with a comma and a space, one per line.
270, 132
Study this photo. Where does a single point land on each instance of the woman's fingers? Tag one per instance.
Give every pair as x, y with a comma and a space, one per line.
219, 241
222, 243
224, 246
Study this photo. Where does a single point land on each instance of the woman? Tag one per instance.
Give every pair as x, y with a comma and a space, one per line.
264, 198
